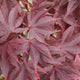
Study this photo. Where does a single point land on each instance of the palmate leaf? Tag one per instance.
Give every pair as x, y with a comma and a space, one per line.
36, 50
12, 25
25, 74
62, 73
68, 44
72, 45
41, 26
10, 50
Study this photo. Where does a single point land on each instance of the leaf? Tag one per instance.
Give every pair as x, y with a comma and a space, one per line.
2, 19
67, 33
18, 22
77, 61
36, 35
73, 4
4, 62
14, 74
11, 53
46, 21
74, 42
34, 55
12, 17
52, 76
62, 75
42, 48
37, 17
21, 74
45, 4
70, 20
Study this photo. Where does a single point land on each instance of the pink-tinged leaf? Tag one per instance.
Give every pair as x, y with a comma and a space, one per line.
34, 55
5, 68
60, 51
46, 31
54, 49
14, 63
61, 24
73, 4
62, 75
45, 4
11, 53
3, 38
4, 33
12, 17
74, 41
4, 63
19, 30
61, 59
33, 75
50, 61
25, 60
67, 33
72, 49
36, 35
77, 62
48, 68
42, 48
14, 74
2, 19
29, 16
52, 76
18, 44
18, 22
46, 21
5, 9
37, 17
69, 69
62, 2
70, 20
21, 74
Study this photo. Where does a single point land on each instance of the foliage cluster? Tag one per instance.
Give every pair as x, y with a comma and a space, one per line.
40, 39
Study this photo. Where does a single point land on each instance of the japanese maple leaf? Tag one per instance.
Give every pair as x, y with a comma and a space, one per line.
10, 49
68, 45
24, 74
36, 50
11, 24
60, 72
40, 26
